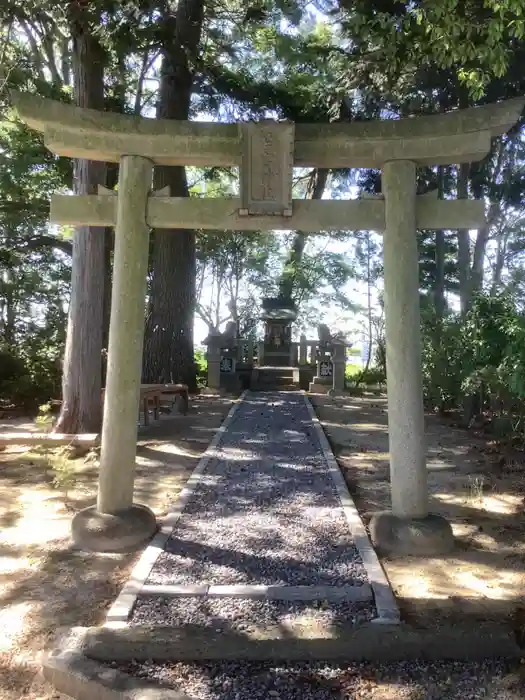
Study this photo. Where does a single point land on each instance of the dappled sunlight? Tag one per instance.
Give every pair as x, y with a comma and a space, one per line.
357, 428
46, 584
485, 573
503, 503
41, 518
170, 448
235, 454
12, 621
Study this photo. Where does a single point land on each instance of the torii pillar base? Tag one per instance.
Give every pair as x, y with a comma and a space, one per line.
125, 531
396, 536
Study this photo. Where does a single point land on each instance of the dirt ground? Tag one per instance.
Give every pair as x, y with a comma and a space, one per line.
44, 583
475, 485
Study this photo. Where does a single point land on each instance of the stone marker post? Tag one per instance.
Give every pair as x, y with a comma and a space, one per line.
213, 357
260, 353
303, 348
408, 529
338, 366
250, 352
116, 523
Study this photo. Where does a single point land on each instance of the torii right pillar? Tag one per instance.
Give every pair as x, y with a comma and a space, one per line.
408, 528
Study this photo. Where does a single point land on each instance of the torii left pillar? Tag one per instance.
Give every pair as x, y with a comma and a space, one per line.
116, 523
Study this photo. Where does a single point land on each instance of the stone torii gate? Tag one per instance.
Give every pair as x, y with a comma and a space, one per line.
266, 153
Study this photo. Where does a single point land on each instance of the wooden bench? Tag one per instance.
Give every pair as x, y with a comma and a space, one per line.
179, 391
149, 395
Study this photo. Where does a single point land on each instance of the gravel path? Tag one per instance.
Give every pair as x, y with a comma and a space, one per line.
266, 511
488, 680
240, 614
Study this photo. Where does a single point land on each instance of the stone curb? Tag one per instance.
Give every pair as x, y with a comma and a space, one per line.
77, 666
79, 677
306, 639
353, 594
119, 612
386, 605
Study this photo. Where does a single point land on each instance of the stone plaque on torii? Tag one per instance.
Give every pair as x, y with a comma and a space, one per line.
266, 153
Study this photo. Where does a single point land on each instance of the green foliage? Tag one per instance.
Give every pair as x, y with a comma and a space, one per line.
371, 377
481, 356
473, 39
201, 365
64, 470
44, 419
352, 370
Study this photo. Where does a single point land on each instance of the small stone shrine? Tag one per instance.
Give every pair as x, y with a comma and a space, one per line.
278, 315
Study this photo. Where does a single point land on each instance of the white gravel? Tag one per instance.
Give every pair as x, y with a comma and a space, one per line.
490, 680
267, 511
240, 614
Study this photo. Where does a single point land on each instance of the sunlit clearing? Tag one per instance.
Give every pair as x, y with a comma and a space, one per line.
170, 448
38, 508
10, 565
12, 620
503, 504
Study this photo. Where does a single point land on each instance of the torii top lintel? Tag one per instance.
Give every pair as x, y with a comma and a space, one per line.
450, 138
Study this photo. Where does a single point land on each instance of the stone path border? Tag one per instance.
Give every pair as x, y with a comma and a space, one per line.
386, 605
387, 609
76, 666
74, 674
353, 594
119, 612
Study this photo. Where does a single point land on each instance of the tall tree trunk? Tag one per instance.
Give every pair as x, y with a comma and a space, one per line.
439, 287
369, 301
81, 384
501, 254
287, 283
463, 243
168, 348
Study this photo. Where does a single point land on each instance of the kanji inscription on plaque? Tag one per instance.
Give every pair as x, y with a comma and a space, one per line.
266, 168
325, 369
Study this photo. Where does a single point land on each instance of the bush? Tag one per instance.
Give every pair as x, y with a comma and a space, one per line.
201, 366
372, 376
16, 385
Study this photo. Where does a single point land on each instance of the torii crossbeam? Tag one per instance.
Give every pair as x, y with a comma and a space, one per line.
266, 153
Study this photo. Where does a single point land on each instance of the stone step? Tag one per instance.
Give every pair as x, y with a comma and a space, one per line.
302, 639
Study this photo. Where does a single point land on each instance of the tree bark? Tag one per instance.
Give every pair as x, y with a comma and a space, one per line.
81, 383
463, 243
169, 354
501, 254
439, 287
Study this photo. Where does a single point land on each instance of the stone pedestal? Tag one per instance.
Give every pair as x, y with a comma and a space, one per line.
408, 529
323, 380
116, 523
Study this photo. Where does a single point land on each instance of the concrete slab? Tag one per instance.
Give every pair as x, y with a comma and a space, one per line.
302, 639
354, 594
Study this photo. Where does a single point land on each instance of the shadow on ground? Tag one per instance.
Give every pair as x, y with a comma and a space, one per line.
468, 485
44, 583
